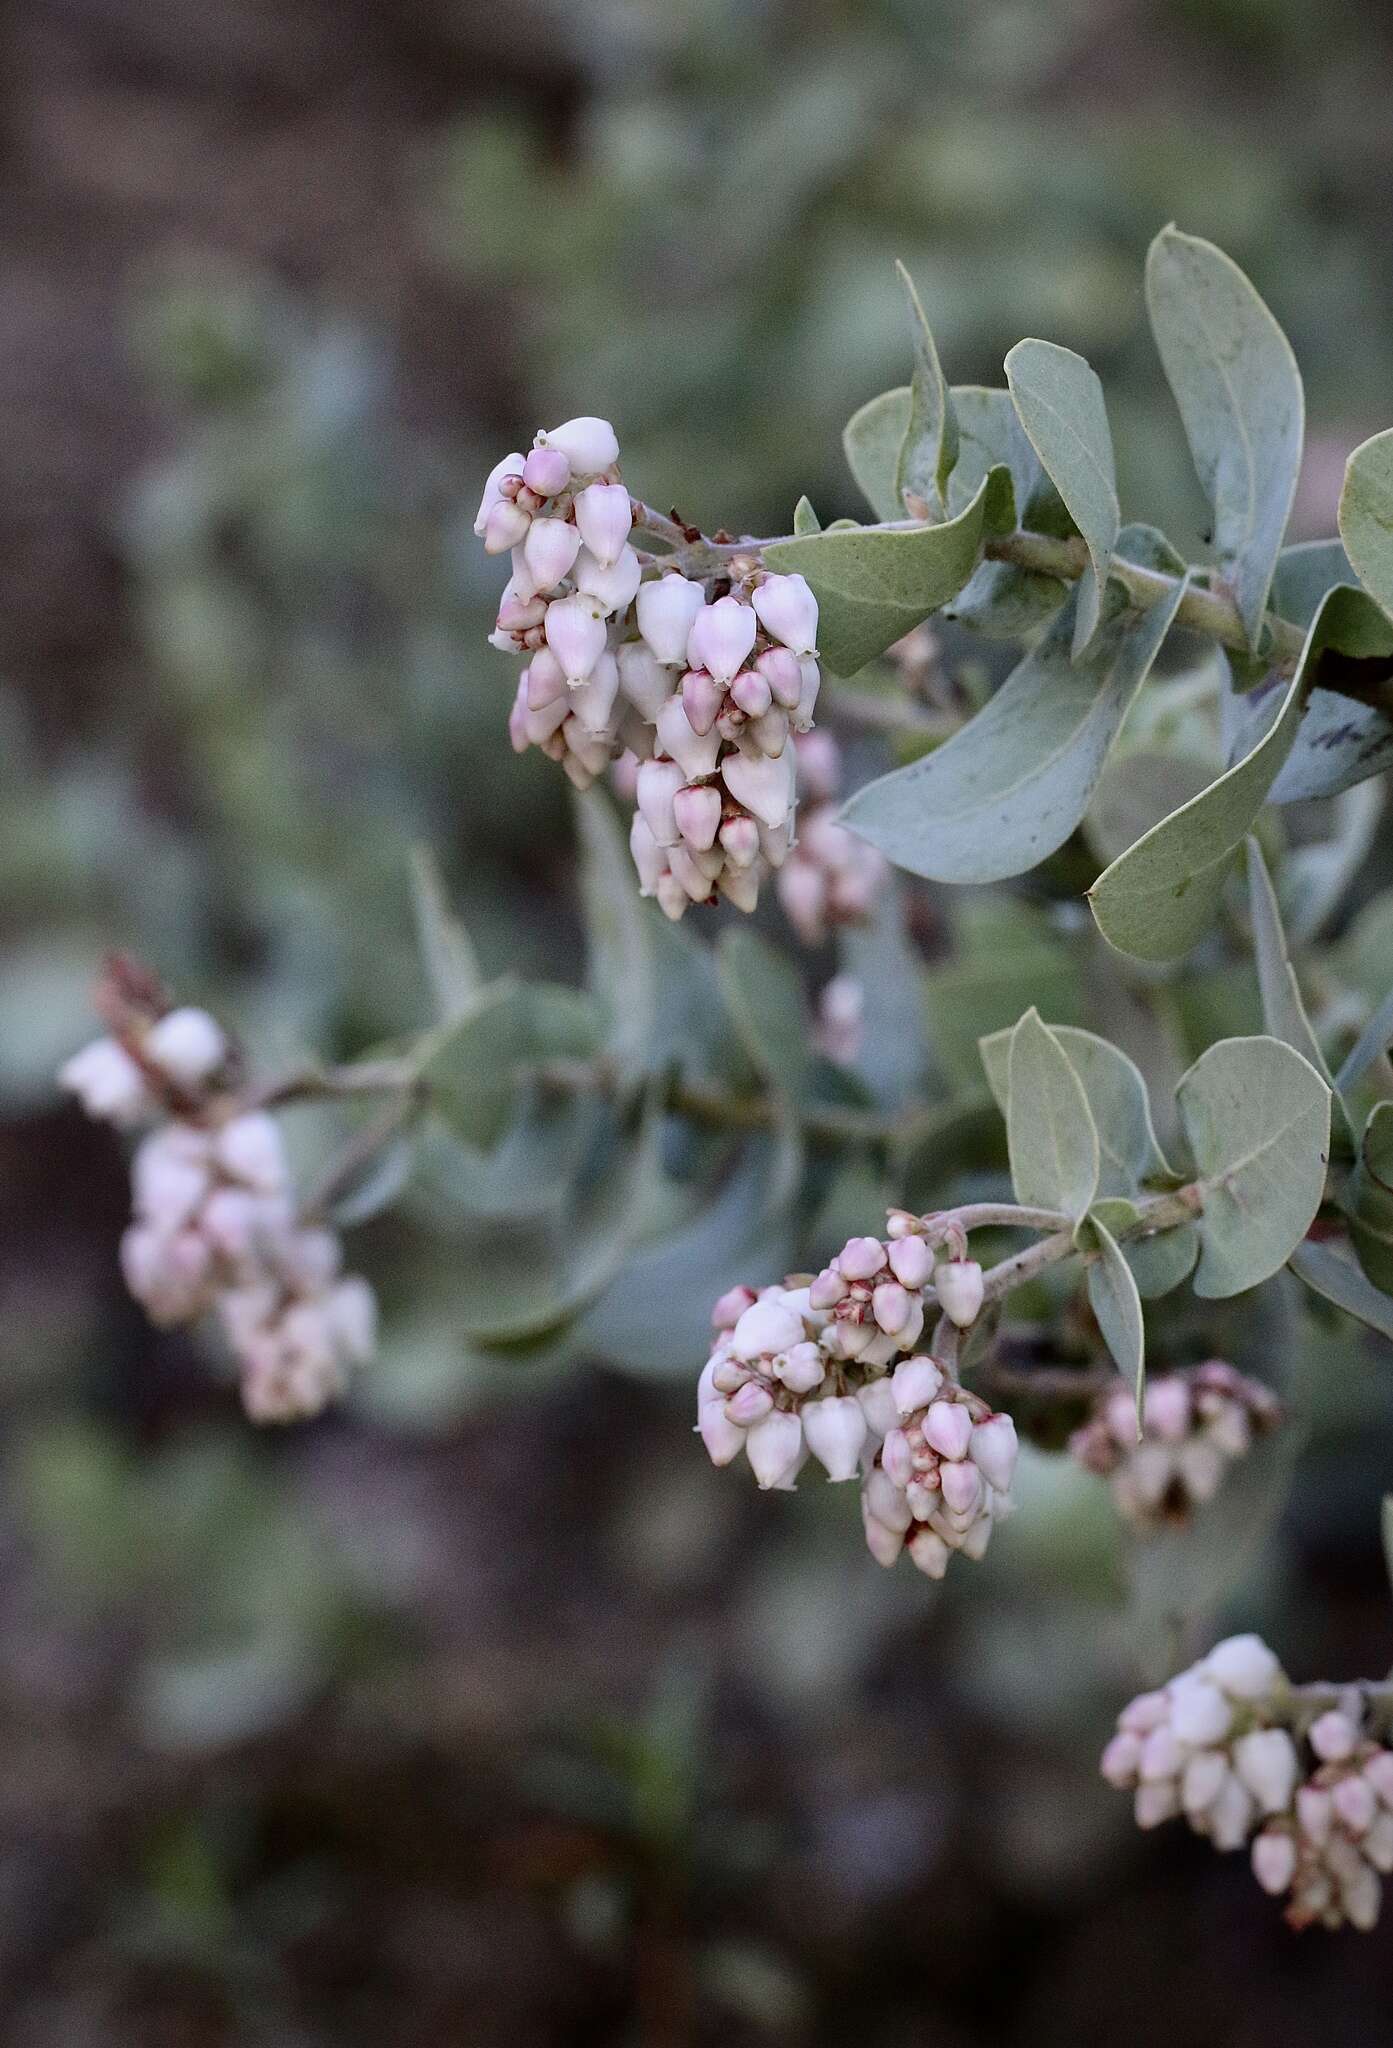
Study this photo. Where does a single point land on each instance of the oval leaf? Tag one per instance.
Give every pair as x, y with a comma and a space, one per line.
872, 440
1050, 1132
874, 585
1129, 1154
1238, 388
1366, 516
1012, 785
1060, 403
1113, 1297
1257, 1117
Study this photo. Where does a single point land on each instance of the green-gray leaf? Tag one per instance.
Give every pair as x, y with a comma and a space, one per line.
1050, 1132
1257, 1117
452, 969
1161, 895
1341, 742
805, 520
1113, 1297
930, 446
1129, 1154
1238, 388
873, 586
1283, 1011
1060, 403
1366, 516
619, 928
1009, 787
1340, 1281
872, 439
765, 1001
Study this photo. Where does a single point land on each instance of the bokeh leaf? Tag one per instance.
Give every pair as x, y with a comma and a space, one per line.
930, 447
1339, 1280
1010, 786
620, 967
1060, 403
1257, 1117
452, 967
1366, 516
1113, 1297
1238, 388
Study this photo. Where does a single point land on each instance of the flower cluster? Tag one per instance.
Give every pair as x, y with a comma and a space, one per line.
830, 1368
214, 1228
830, 877
702, 680
1195, 1424
1222, 1744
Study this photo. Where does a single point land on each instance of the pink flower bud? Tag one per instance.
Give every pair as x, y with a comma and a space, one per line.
915, 1382
948, 1428
511, 465
963, 1488
1155, 1803
169, 1176
658, 784
764, 787
787, 610
861, 1258
188, 1045
929, 1553
673, 899
1166, 1409
589, 444
782, 676
1355, 1802
546, 471
803, 894
836, 1430
731, 1306
740, 887
749, 1405
612, 584
801, 1369
1334, 1737
993, 1450
775, 1449
724, 1439
958, 1284
666, 609
1266, 1761
828, 1288
740, 839
769, 734
108, 1083
890, 1306
546, 680
689, 871
1379, 1772
1200, 1715
911, 1261
897, 1459
721, 638
751, 692
697, 811
516, 614
701, 699
575, 629
250, 1149
1231, 1816
884, 1544
506, 527
517, 719
644, 680
1314, 1813
1147, 1711
550, 549
1274, 1860
807, 698
694, 753
604, 516
765, 1328
1119, 1761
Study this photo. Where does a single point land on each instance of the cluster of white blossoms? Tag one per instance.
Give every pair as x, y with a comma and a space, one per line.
702, 680
1240, 1752
829, 1368
830, 877
1195, 1424
215, 1228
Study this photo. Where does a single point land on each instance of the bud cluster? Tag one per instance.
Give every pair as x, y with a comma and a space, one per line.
215, 1229
830, 877
702, 680
1195, 1424
830, 1368
1223, 1745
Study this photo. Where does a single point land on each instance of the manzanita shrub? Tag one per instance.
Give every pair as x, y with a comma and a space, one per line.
1011, 1152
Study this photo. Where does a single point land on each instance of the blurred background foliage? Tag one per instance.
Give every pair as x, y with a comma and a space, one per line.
486, 1710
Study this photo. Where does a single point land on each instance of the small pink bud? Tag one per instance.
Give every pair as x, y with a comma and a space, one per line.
835, 1429
740, 838
878, 1404
505, 528
958, 1284
740, 887
1315, 1814
731, 1306
1119, 1761
701, 699
897, 1458
827, 1289
807, 700
724, 1439
787, 610
861, 1258
765, 1328
1155, 1803
1355, 1802
911, 1261
1334, 1737
962, 1488
800, 1369
593, 705
916, 1382
930, 1554
546, 680
769, 733
1166, 1409
666, 609
546, 471
575, 629
884, 1544
694, 753
1266, 1760
993, 1450
643, 679
890, 1306
803, 894
721, 638
550, 549
187, 1045
775, 1449
1379, 1772
658, 784
1274, 1860
948, 1428
510, 466
1200, 1714
604, 516
108, 1083
751, 692
516, 614
764, 787
749, 1405
1147, 1711
588, 444
612, 584
697, 811
783, 676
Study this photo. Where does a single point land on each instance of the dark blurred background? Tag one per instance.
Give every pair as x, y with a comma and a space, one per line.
484, 1711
